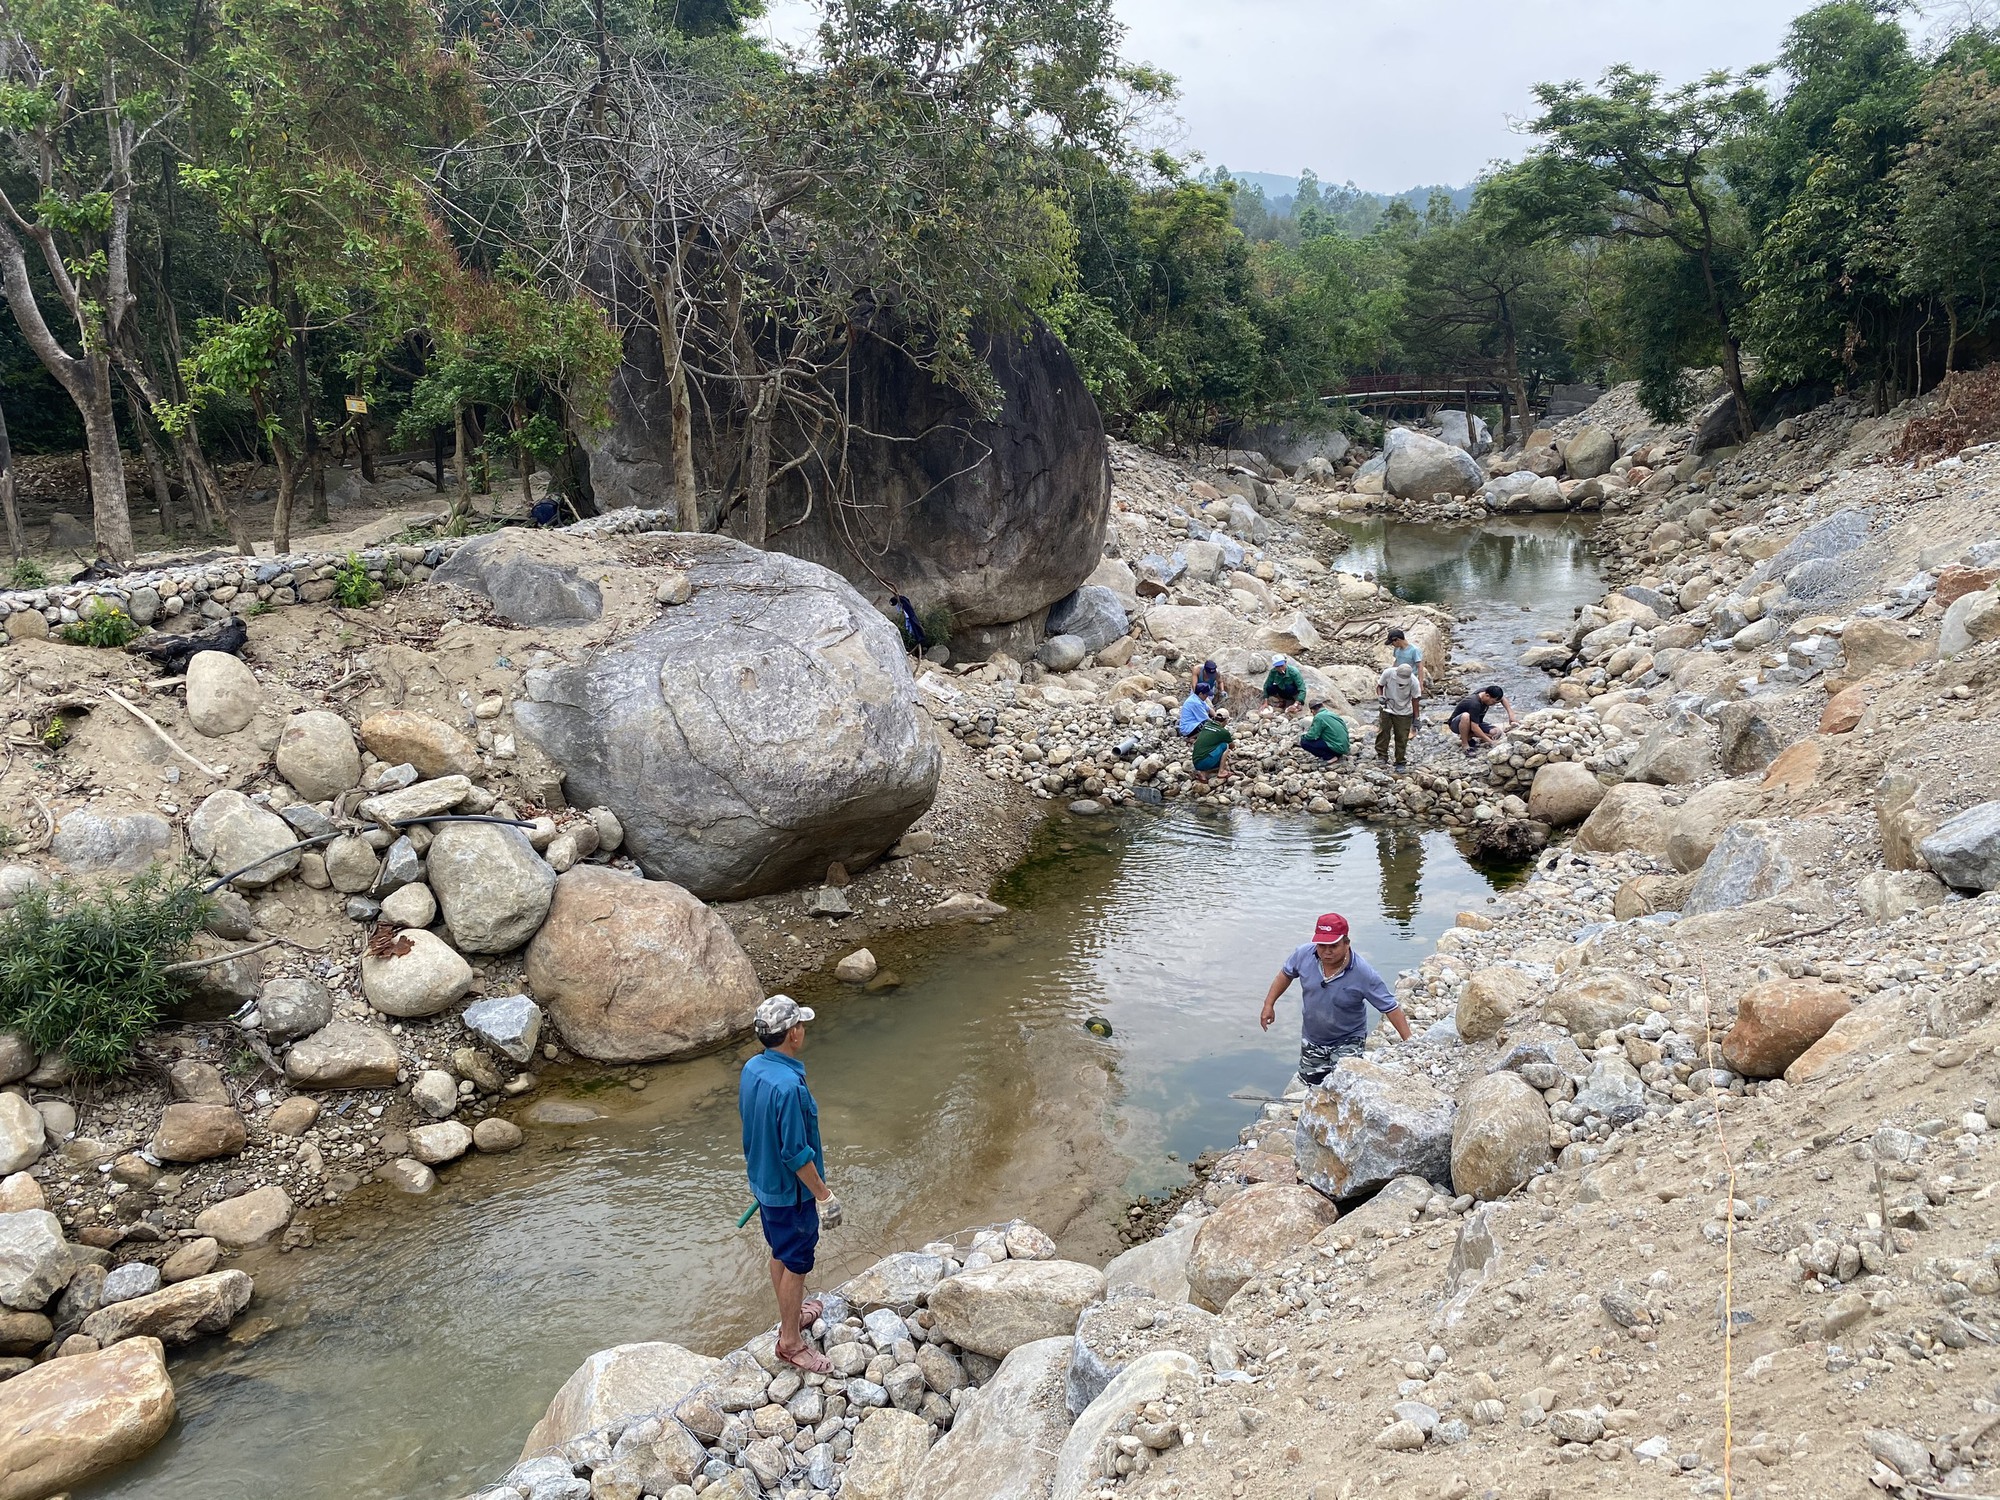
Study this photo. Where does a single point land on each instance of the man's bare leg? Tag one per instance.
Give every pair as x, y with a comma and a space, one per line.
791, 1290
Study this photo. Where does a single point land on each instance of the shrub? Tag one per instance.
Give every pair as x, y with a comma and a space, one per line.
106, 626
86, 975
352, 587
29, 574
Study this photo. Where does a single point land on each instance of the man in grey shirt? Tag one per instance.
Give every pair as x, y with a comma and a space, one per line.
1336, 985
1400, 692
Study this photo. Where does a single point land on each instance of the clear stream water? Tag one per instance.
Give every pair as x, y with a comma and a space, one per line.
409, 1353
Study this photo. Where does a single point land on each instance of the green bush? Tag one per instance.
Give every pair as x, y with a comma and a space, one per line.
106, 626
85, 974
352, 587
29, 574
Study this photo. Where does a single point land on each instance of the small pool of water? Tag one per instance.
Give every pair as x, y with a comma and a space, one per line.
1508, 578
411, 1351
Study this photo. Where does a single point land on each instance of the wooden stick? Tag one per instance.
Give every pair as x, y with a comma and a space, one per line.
136, 712
221, 958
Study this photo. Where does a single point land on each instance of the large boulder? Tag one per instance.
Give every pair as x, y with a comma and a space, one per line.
247, 1220
1673, 754
402, 736
232, 832
1777, 1021
1965, 849
412, 973
1473, 436
22, 1134
1164, 1375
90, 842
492, 887
1004, 1439
1113, 1333
996, 1309
1292, 446
1158, 1266
190, 1132
71, 1419
1597, 1000
749, 737
1253, 1230
1633, 816
1564, 792
343, 1055
177, 1314
317, 755
1591, 453
1366, 1126
899, 1282
1697, 825
635, 970
1489, 1001
1093, 614
616, 1385
533, 578
1748, 863
1971, 619
35, 1263
222, 693
1501, 1136
1420, 467
889, 1448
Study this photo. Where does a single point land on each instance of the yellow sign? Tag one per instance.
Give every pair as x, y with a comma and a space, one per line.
358, 405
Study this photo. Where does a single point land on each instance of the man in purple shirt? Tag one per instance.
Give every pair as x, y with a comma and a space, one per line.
1336, 985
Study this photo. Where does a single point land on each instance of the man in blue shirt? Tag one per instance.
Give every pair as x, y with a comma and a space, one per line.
1194, 711
1336, 983
787, 1170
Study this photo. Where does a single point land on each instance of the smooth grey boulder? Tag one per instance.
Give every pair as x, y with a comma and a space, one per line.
232, 832
1964, 852
492, 887
749, 737
533, 578
1003, 1442
1291, 446
292, 1008
1093, 614
126, 843
1747, 864
317, 755
1476, 440
1420, 467
1590, 453
1061, 653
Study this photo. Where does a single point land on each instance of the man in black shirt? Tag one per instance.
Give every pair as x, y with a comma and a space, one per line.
1468, 716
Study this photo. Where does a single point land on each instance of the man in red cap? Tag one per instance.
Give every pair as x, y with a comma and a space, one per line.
1336, 983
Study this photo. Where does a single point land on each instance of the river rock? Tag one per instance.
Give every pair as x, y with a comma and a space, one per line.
1744, 739
402, 736
1366, 1125
222, 693
1633, 816
1564, 792
1257, 1227
248, 1220
1747, 864
90, 842
510, 1024
1112, 1334
292, 1008
1158, 1267
1864, 1032
533, 578
1884, 895
1697, 825
1590, 453
613, 1387
317, 755
35, 1264
426, 799
17, 1058
20, 1192
1149, 1378
407, 1175
1004, 1439
1973, 618
198, 1132
23, 1135
72, 1419
492, 887
344, 1055
435, 1092
445, 1141
351, 865
133, 1279
1613, 1090
995, 1309
745, 741
635, 970
1676, 753
900, 1282
194, 1258
1489, 1000
652, 1456
1093, 614
1500, 1138
495, 1135
1777, 1021
1420, 467
230, 831
1597, 1000
412, 973
198, 1082
1965, 849
178, 1314
857, 967
889, 1448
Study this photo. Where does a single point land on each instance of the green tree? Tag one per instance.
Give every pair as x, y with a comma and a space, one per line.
1946, 238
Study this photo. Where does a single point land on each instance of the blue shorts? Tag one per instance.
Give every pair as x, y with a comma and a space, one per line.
1211, 760
792, 1234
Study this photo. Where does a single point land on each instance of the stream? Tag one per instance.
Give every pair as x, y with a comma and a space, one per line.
410, 1351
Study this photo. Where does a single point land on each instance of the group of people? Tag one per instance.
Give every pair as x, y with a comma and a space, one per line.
1204, 720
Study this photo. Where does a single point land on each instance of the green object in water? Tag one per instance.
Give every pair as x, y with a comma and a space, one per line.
748, 1214
1097, 1026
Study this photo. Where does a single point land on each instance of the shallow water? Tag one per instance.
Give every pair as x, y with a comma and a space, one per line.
1514, 576
413, 1349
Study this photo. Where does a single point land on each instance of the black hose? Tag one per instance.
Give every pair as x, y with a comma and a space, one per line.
322, 838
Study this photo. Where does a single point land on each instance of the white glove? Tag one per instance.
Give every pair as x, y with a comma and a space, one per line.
829, 1212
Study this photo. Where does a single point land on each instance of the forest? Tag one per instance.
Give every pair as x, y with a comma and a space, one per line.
287, 231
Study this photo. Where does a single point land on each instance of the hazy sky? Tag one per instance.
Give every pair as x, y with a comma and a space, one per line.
1392, 94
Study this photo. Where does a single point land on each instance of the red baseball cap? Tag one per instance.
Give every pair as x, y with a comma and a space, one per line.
1331, 928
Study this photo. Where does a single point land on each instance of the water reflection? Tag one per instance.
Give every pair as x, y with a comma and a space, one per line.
1401, 851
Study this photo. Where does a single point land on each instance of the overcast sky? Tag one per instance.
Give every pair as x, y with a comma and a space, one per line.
1391, 94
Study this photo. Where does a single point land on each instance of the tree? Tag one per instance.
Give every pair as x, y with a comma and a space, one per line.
1946, 239
1637, 161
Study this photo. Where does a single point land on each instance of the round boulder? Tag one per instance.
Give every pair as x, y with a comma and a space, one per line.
402, 735
1777, 1021
1633, 815
1602, 1001
1500, 1138
635, 970
222, 693
1489, 1001
1420, 467
231, 832
744, 741
317, 755
1564, 792
412, 973
492, 887
69, 1420
1251, 1232
996, 1309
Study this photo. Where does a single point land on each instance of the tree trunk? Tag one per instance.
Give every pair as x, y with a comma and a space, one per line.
757, 519
110, 518
361, 447
7, 506
524, 462
156, 467
288, 489
461, 495
1951, 337
316, 466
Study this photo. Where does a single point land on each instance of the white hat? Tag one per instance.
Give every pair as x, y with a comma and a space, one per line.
779, 1014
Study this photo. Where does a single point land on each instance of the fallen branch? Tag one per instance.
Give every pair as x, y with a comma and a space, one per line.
48, 835
140, 714
221, 958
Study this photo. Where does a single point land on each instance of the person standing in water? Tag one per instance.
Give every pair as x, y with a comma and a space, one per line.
1337, 985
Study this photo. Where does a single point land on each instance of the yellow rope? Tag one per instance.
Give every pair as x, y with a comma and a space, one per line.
1728, 1248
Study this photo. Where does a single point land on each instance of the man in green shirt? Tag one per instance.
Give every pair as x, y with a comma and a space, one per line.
1284, 685
1326, 737
1210, 744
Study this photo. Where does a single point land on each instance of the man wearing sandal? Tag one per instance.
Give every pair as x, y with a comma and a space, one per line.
787, 1170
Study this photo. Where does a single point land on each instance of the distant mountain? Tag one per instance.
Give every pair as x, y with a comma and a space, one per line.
1280, 190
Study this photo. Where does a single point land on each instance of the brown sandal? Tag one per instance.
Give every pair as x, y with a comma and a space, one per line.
807, 1358
809, 1312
